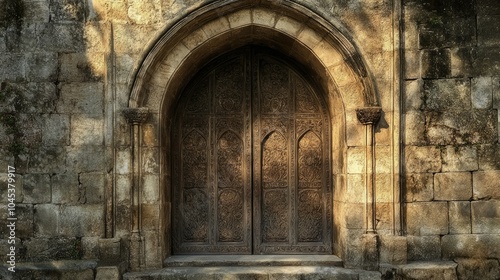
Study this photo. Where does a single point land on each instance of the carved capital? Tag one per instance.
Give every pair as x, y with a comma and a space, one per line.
136, 115
369, 115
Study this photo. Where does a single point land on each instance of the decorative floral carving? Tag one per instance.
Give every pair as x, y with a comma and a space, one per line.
136, 115
369, 115
230, 215
275, 215
310, 216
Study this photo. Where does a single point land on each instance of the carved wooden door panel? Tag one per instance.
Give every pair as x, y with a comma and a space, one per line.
251, 167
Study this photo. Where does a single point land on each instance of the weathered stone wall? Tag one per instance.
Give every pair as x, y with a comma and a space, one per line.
452, 152
67, 69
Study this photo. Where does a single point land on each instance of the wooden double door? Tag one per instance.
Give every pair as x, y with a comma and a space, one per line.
251, 160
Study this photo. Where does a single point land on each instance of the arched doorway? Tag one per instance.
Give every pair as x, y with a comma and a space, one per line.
251, 159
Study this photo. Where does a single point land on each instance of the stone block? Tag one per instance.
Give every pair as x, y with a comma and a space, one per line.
264, 17
356, 135
150, 216
486, 61
443, 94
65, 37
151, 244
428, 270
144, 12
462, 62
370, 244
65, 188
462, 158
53, 249
36, 188
488, 26
477, 269
81, 98
24, 224
24, 41
354, 214
142, 35
125, 64
42, 67
485, 185
460, 217
496, 92
423, 159
419, 187
216, 27
453, 186
384, 217
123, 186
18, 184
424, 248
86, 274
46, 220
48, 159
110, 250
81, 67
412, 64
415, 128
65, 11
90, 248
288, 25
482, 92
480, 246
414, 95
383, 159
108, 273
240, 18
79, 160
150, 188
393, 249
150, 161
87, 130
458, 127
57, 128
151, 131
309, 37
82, 220
418, 222
16, 70
485, 216
436, 63
489, 157
37, 12
92, 187
356, 160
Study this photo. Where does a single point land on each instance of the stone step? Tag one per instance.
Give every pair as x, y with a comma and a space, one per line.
252, 260
254, 272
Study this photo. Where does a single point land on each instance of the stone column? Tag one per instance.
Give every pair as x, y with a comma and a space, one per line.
135, 117
369, 116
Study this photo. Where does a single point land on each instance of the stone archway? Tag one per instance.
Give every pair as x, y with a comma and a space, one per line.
321, 48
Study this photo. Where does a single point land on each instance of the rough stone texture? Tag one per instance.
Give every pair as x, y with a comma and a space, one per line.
477, 269
480, 246
453, 186
485, 185
460, 217
424, 247
419, 222
437, 271
423, 159
419, 187
460, 159
485, 216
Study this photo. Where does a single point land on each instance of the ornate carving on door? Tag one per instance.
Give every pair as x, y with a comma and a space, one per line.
251, 160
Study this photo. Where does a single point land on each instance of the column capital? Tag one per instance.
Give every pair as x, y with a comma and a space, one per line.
369, 115
136, 115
